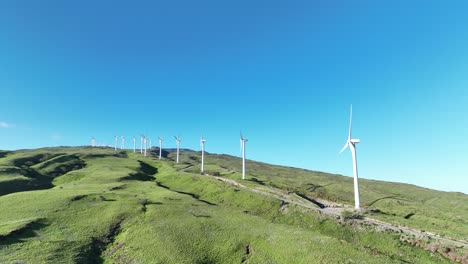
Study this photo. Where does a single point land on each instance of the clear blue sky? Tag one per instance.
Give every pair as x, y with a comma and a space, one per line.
283, 72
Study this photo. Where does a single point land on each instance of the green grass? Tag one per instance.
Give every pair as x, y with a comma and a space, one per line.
83, 205
445, 213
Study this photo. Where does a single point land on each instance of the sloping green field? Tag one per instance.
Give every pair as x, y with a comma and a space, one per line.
92, 205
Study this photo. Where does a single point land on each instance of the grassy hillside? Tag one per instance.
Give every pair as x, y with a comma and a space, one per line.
445, 213
91, 205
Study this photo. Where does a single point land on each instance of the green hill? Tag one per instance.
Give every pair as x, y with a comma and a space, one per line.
92, 205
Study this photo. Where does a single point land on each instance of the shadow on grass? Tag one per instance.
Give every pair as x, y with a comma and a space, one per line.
137, 177
19, 235
147, 169
321, 205
93, 251
34, 159
145, 173
195, 196
154, 152
50, 169
36, 181
394, 197
3, 153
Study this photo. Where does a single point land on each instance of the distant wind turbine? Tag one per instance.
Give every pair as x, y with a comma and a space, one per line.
242, 142
150, 143
160, 146
141, 144
134, 144
144, 142
352, 146
123, 143
115, 146
178, 146
202, 146
93, 142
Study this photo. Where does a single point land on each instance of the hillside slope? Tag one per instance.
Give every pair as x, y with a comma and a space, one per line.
91, 205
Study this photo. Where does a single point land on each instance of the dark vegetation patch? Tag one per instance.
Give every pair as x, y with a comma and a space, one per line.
347, 214
121, 154
248, 253
154, 152
195, 196
257, 181
137, 177
313, 187
104, 199
172, 199
409, 215
210, 172
77, 197
120, 187
199, 215
145, 202
93, 251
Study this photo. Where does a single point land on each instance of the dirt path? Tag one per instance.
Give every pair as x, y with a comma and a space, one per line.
335, 210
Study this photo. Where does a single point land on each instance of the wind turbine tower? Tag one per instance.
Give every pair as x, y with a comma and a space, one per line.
242, 142
115, 145
134, 144
352, 146
178, 146
151, 143
144, 142
160, 146
202, 145
123, 143
141, 144
93, 142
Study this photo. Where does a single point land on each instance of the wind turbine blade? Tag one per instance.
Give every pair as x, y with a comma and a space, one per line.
350, 122
345, 146
241, 147
241, 137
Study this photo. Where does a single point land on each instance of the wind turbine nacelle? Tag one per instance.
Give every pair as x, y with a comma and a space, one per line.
355, 141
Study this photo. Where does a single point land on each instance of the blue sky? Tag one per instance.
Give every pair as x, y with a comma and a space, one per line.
283, 72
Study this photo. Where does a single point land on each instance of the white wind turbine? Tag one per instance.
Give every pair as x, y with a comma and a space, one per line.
123, 143
352, 146
93, 142
150, 143
115, 145
242, 142
134, 144
141, 144
160, 146
202, 146
178, 146
144, 142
